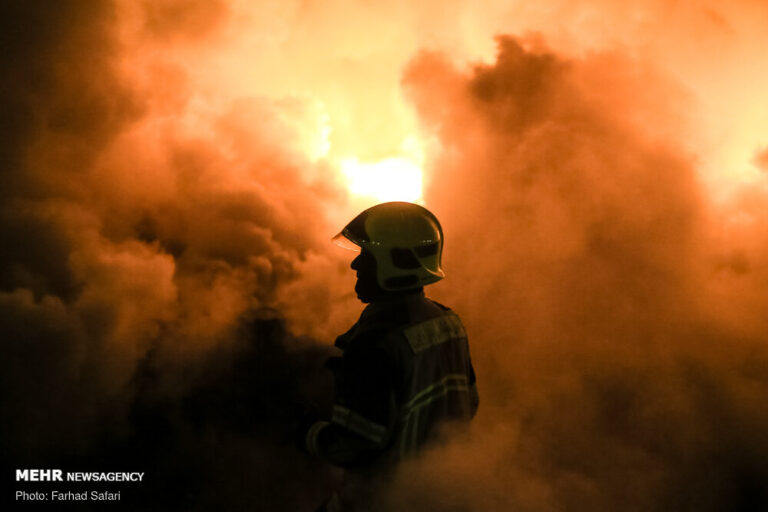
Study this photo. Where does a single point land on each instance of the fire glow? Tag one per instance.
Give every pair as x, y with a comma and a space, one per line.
391, 179
174, 170
301, 55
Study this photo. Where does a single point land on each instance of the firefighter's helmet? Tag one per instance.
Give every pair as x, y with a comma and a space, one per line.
405, 239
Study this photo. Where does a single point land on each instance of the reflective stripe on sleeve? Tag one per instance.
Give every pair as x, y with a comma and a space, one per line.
434, 332
450, 382
410, 433
436, 391
310, 441
358, 424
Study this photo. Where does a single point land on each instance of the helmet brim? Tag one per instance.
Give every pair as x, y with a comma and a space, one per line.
344, 242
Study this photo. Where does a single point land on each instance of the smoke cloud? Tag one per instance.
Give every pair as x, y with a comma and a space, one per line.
168, 294
616, 320
144, 241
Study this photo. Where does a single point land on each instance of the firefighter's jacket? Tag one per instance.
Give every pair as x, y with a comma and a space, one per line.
405, 370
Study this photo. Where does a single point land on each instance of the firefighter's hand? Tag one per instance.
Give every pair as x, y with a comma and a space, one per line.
300, 430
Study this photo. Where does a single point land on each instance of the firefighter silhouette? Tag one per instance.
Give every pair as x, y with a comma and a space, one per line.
405, 368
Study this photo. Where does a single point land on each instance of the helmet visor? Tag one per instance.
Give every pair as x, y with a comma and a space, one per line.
342, 241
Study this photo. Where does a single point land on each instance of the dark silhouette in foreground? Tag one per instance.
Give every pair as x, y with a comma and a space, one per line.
405, 370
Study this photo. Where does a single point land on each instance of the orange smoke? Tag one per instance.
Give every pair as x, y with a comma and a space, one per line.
172, 173
616, 310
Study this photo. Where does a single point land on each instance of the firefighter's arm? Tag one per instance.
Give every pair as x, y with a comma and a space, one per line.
364, 412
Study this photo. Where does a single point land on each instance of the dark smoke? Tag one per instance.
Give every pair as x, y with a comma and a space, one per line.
140, 265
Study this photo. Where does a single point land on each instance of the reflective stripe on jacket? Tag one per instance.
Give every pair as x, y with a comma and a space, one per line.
405, 370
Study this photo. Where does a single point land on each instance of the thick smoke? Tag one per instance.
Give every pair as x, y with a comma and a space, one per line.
163, 243
144, 243
617, 320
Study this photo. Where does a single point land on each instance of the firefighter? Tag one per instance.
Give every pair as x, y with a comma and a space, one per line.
405, 368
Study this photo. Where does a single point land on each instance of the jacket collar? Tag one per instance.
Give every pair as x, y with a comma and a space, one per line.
373, 312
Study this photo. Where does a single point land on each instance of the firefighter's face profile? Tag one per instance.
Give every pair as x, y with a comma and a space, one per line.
366, 287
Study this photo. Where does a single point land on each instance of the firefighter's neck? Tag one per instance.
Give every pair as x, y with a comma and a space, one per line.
383, 296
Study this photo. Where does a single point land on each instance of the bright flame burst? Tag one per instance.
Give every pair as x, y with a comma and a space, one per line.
391, 179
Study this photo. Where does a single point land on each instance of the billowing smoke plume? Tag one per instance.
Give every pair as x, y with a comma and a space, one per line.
166, 204
617, 320
143, 244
